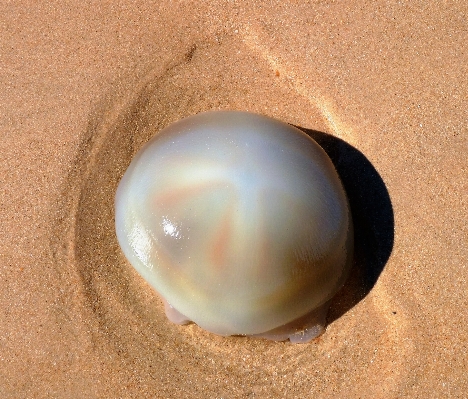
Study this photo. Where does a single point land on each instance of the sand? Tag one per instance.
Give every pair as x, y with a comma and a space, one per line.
381, 85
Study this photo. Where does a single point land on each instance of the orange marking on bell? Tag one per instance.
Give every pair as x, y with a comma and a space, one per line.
221, 242
173, 196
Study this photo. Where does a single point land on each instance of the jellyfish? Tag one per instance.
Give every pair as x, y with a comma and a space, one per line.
240, 223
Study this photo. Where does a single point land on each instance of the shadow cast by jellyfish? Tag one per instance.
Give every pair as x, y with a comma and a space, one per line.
372, 213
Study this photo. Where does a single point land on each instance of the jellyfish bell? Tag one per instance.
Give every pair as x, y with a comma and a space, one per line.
241, 224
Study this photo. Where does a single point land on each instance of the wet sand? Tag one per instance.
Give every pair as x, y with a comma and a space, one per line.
381, 87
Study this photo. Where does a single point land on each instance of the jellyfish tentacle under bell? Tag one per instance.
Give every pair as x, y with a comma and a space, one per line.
240, 223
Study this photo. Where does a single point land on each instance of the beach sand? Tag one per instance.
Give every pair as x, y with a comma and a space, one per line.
383, 87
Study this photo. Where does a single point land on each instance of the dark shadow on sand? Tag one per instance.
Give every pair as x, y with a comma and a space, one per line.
372, 213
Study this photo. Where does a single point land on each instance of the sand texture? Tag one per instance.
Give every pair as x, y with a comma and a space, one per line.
382, 86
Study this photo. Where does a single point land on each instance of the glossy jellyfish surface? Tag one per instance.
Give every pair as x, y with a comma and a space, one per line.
240, 223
